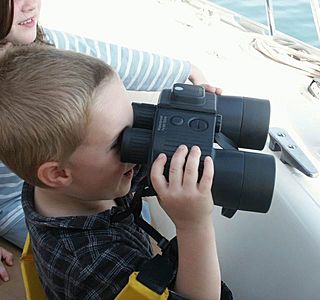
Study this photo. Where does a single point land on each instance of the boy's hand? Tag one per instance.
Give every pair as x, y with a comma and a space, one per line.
189, 204
6, 257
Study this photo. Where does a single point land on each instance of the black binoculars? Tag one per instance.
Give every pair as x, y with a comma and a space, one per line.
219, 125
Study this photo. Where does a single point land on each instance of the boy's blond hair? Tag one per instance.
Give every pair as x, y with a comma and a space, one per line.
45, 100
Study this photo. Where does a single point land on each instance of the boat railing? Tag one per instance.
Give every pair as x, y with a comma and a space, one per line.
315, 8
270, 17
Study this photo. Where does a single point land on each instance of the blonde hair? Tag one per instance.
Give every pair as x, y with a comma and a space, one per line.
45, 100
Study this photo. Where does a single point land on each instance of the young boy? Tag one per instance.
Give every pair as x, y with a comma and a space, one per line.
61, 114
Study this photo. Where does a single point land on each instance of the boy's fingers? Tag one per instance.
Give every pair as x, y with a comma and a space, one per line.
206, 181
176, 166
156, 175
3, 273
190, 176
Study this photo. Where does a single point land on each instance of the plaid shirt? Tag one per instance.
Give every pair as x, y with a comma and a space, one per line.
85, 257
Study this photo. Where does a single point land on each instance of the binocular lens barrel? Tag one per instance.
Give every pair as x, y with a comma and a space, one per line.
135, 145
143, 115
245, 120
238, 184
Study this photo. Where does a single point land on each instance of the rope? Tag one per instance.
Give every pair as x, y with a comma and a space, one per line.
289, 53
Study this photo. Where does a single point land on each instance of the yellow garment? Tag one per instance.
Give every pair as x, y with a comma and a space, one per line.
135, 290
31, 281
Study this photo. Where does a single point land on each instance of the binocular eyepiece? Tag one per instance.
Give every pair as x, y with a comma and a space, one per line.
189, 115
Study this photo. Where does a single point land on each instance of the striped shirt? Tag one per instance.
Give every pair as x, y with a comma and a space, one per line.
10, 195
139, 70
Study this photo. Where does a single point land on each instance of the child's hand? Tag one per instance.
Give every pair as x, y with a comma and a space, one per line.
197, 77
189, 204
6, 257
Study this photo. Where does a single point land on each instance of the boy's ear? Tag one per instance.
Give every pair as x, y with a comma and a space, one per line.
54, 175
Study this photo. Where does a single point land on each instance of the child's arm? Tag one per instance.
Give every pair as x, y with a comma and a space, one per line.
139, 70
189, 204
6, 257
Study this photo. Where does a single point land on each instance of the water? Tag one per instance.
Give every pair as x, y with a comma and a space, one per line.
293, 17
